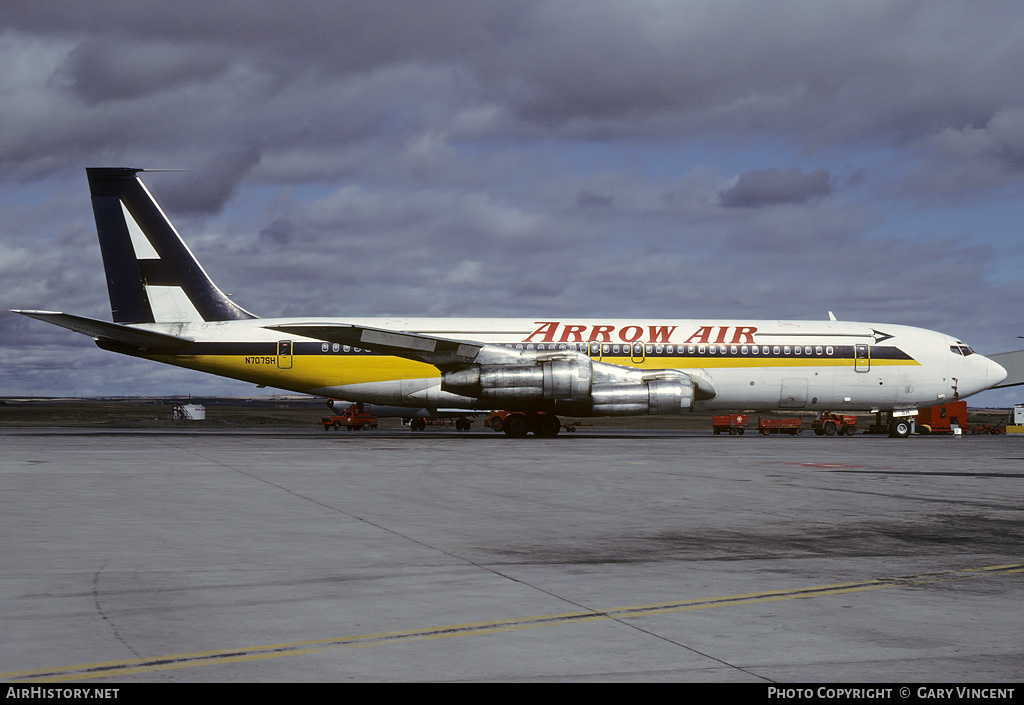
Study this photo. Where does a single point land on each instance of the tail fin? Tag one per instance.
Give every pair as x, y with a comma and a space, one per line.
152, 276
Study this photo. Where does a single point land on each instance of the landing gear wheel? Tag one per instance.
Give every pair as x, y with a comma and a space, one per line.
461, 425
417, 424
516, 426
900, 428
547, 426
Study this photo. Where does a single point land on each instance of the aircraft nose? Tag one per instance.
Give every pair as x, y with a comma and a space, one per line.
995, 373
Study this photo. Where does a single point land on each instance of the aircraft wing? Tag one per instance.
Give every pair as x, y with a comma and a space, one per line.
440, 352
1013, 363
452, 355
103, 330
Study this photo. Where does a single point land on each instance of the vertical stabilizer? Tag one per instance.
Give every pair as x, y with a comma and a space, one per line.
152, 276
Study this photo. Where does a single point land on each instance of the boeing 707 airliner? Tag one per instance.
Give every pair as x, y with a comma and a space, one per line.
165, 308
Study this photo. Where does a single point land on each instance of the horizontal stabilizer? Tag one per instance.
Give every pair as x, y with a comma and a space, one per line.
1013, 363
102, 330
441, 352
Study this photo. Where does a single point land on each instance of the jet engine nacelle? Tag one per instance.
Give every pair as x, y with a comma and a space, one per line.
656, 396
574, 383
559, 380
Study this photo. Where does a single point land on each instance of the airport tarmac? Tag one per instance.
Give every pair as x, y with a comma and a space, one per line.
289, 556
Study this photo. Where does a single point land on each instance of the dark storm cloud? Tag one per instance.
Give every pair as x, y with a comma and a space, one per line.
590, 199
208, 188
99, 70
196, 71
755, 189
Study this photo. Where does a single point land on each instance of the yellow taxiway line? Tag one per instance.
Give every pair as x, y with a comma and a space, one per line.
254, 653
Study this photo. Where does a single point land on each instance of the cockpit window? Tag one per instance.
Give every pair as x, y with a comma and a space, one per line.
955, 349
961, 350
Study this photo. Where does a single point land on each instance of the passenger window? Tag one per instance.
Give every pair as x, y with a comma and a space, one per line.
776, 350
817, 350
743, 349
323, 348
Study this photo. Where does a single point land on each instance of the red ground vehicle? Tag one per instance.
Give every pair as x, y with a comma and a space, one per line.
943, 418
355, 417
496, 421
793, 427
730, 423
829, 424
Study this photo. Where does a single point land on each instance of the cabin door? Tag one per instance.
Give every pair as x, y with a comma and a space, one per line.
284, 354
861, 357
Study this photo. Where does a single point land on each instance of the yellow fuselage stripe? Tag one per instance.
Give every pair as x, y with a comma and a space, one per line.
319, 371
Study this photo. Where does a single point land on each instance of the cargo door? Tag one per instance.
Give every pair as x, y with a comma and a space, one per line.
793, 394
284, 354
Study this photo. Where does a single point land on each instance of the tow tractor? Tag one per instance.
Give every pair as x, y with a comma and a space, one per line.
829, 424
355, 417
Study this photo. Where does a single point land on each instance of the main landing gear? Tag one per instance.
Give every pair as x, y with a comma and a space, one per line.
518, 424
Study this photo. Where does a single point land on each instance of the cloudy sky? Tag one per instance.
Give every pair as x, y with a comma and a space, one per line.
685, 159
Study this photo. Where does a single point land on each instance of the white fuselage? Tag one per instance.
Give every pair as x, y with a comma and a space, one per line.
757, 365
